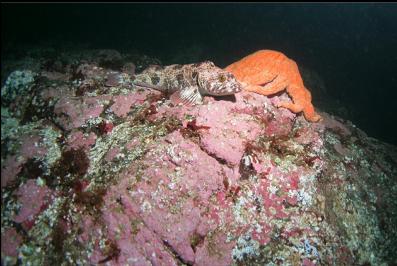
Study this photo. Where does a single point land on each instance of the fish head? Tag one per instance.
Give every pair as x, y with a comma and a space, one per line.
215, 81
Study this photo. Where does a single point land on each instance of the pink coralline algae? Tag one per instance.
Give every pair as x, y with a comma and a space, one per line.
116, 175
33, 200
30, 147
73, 113
112, 153
77, 140
10, 170
123, 103
180, 221
222, 139
10, 241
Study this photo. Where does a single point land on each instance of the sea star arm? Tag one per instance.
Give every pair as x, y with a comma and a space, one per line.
295, 108
308, 110
272, 87
310, 114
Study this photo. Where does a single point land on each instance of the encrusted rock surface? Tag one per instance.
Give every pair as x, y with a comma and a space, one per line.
95, 170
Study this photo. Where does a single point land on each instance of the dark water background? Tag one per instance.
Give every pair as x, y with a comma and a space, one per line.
353, 47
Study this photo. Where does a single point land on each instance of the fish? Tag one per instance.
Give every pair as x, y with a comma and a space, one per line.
188, 83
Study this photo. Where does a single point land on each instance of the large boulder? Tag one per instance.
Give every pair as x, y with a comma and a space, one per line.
119, 175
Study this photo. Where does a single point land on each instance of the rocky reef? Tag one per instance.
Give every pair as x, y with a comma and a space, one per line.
95, 170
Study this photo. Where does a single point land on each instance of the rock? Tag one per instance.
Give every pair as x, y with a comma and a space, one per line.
70, 113
109, 58
235, 181
33, 200
123, 103
10, 242
129, 68
18, 83
31, 147
77, 140
10, 170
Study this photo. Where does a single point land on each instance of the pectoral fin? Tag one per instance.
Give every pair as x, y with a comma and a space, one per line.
188, 96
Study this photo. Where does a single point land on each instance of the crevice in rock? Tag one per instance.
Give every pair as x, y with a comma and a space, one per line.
175, 253
196, 240
194, 136
218, 159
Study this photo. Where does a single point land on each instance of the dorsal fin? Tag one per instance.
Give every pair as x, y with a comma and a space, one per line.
148, 85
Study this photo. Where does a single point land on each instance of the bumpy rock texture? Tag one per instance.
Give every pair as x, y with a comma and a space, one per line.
95, 170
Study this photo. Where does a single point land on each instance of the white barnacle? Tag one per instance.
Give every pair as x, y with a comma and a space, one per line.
292, 193
304, 197
146, 206
245, 247
247, 160
175, 157
171, 186
272, 189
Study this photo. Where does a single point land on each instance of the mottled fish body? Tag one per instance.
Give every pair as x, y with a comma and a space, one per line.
189, 83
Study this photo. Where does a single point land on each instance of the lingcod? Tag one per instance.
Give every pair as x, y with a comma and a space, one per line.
189, 83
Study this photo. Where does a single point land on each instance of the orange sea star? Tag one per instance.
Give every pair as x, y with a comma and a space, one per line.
267, 72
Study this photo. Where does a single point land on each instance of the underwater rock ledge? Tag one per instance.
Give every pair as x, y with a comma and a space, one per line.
95, 170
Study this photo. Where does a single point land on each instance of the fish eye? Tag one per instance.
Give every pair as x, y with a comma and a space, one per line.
222, 78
